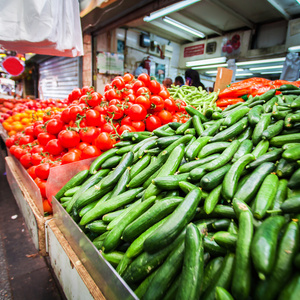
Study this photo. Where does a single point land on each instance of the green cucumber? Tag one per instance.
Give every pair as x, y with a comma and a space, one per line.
186, 187
72, 191
262, 125
140, 165
246, 134
121, 185
244, 148
292, 154
291, 290
281, 194
212, 148
261, 148
87, 208
212, 199
192, 112
95, 165
113, 257
294, 180
291, 205
269, 105
181, 129
97, 226
235, 116
195, 147
271, 156
107, 218
273, 130
171, 182
212, 247
164, 142
212, 129
124, 150
187, 167
222, 294
142, 288
226, 239
280, 140
65, 199
197, 125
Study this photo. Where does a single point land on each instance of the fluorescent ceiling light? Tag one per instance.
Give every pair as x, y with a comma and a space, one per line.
271, 72
184, 27
263, 61
206, 61
266, 68
243, 74
215, 72
294, 48
210, 67
169, 9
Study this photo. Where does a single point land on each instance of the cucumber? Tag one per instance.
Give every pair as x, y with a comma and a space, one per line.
291, 290
114, 257
246, 134
222, 294
72, 191
121, 185
295, 103
142, 288
193, 265
294, 180
271, 156
264, 245
153, 215
171, 182
221, 224
269, 105
212, 199
248, 190
123, 150
186, 187
231, 179
65, 199
187, 167
280, 140
288, 247
226, 240
97, 226
232, 131
123, 144
111, 216
183, 127
262, 125
192, 112
212, 179
174, 125
111, 205
197, 123
261, 148
140, 165
164, 142
241, 281
291, 205
292, 154
212, 129
195, 147
87, 208
212, 247
172, 291
281, 194
181, 216
273, 130
235, 116
244, 148
95, 165
213, 148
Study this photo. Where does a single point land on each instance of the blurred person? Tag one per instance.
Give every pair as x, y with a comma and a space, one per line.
141, 69
167, 82
192, 78
179, 81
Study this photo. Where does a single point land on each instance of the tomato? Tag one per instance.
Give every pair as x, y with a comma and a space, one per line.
29, 130
104, 141
144, 78
54, 126
157, 103
42, 171
139, 125
82, 145
118, 83
154, 87
31, 172
94, 99
126, 121
137, 112
152, 122
143, 91
36, 123
54, 147
102, 108
76, 150
107, 87
90, 151
37, 149
164, 93
170, 105
41, 185
126, 106
112, 94
107, 127
74, 111
26, 139
45, 137
36, 158
92, 117
143, 100
47, 207
128, 77
19, 152
89, 134
165, 116
68, 138
25, 160
9, 142
138, 84
75, 94
130, 98
115, 112
70, 157
180, 105
115, 102
39, 129
65, 115
87, 90
126, 128
127, 92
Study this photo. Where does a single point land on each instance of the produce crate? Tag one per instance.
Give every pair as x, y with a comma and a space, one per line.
34, 219
104, 275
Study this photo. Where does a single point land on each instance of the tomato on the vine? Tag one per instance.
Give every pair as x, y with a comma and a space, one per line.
9, 142
29, 130
144, 78
92, 117
118, 83
68, 138
137, 84
65, 115
108, 127
70, 157
41, 185
104, 141
157, 103
39, 129
130, 98
170, 105
102, 108
25, 160
165, 116
18, 152
143, 100
87, 89
115, 112
94, 99
112, 94
36, 158
31, 172
42, 171
26, 139
75, 94
139, 125
154, 87
143, 91
74, 111
126, 128
90, 151
153, 122
128, 77
82, 145
89, 134
126, 121
54, 126
137, 112
54, 147
180, 105
126, 106
164, 93
45, 137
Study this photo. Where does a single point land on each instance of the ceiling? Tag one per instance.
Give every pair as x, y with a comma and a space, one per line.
218, 17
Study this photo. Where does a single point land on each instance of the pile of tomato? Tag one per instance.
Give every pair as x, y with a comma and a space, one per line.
93, 123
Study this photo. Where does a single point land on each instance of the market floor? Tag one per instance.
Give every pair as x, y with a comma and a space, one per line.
24, 274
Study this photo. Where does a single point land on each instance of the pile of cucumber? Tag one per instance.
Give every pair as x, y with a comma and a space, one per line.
207, 209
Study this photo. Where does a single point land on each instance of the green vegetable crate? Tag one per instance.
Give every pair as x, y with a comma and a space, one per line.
208, 209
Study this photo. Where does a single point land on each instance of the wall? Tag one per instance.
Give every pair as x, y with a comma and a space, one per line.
87, 61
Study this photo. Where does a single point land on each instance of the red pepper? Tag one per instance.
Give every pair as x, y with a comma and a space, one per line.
228, 101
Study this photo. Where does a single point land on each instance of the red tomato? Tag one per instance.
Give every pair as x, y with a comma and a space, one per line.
94, 99
157, 103
154, 87
107, 87
37, 149
36, 158
164, 93
26, 139
74, 111
92, 117
128, 77
19, 152
31, 172
126, 106
104, 141
12, 149
170, 105
68, 138
89, 134
112, 94
87, 89
90, 151
115, 102
115, 112
54, 126
137, 112
70, 157
143, 100
138, 84
165, 116
82, 145
130, 98
75, 94
126, 128
76, 150
41, 185
143, 91
25, 160
152, 122
65, 115
118, 83
45, 137
9, 142
145, 78
126, 121
39, 129
139, 125
127, 92
107, 127
29, 130
42, 171
54, 147
47, 206
102, 108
